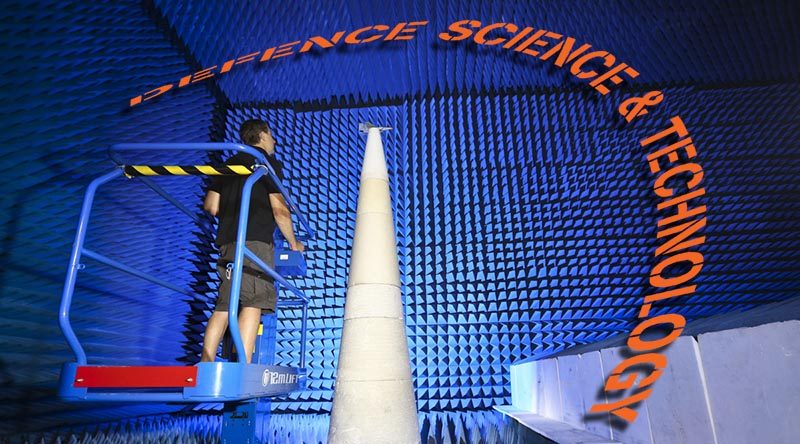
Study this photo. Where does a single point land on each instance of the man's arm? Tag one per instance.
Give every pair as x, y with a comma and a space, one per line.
211, 204
283, 219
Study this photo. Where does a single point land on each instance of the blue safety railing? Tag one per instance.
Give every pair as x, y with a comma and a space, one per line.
262, 167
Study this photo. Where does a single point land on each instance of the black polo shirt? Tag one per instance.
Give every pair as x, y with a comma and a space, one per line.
261, 221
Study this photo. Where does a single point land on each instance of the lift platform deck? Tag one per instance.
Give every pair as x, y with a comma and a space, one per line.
204, 382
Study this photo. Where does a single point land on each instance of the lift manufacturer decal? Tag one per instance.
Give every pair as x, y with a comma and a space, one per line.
273, 378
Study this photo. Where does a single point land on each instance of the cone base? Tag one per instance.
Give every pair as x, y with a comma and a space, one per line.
374, 412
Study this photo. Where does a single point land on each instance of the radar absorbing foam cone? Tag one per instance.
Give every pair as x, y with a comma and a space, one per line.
374, 397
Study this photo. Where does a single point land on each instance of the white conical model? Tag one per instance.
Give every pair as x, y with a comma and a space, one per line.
374, 402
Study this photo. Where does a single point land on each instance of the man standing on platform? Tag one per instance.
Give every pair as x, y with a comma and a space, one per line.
267, 209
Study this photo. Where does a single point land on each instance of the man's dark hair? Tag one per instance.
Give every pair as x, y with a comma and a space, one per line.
250, 131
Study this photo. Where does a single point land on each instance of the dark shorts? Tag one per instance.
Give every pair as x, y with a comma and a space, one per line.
256, 291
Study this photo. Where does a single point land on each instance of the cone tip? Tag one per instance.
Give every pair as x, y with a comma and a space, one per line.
374, 166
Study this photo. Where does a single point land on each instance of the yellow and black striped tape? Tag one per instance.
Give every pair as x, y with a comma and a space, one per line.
187, 170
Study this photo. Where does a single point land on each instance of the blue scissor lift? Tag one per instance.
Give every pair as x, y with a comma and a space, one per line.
237, 384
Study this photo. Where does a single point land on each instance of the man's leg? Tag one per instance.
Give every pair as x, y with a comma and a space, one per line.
249, 319
215, 328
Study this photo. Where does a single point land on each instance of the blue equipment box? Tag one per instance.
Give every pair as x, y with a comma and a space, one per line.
289, 263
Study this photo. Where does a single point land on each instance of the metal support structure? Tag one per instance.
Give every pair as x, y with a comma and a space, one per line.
230, 382
303, 336
280, 281
262, 160
74, 266
239, 422
134, 272
238, 263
